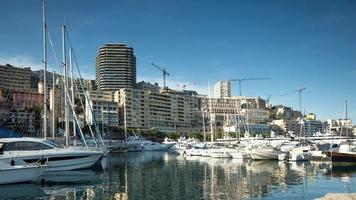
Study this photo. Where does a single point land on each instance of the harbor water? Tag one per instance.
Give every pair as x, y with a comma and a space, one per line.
163, 175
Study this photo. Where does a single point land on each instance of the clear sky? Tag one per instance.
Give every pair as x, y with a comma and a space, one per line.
298, 43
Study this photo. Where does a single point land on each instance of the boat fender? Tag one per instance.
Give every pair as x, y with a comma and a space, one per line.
12, 163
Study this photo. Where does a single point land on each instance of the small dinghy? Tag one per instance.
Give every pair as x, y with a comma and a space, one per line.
10, 174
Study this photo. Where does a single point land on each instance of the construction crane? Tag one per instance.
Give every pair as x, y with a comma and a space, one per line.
164, 72
240, 80
300, 96
268, 99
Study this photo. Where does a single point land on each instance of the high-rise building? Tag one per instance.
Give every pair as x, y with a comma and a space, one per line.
222, 89
115, 67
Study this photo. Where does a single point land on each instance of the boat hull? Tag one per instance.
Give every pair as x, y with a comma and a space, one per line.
56, 162
19, 174
342, 157
257, 154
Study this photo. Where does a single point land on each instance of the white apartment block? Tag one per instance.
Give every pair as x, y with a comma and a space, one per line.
222, 89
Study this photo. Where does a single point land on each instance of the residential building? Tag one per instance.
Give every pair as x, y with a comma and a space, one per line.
227, 112
101, 108
290, 126
167, 110
284, 112
115, 67
15, 78
27, 100
222, 89
312, 127
339, 126
148, 86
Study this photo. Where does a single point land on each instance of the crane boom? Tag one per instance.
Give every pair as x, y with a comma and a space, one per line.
299, 91
246, 79
164, 73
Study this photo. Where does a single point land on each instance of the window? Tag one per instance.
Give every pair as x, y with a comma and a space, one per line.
25, 146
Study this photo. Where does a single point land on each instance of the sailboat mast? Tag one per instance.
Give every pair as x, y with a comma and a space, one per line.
53, 104
72, 90
204, 134
211, 117
346, 121
44, 32
66, 113
125, 120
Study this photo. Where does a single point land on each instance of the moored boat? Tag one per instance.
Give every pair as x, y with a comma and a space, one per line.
21, 151
10, 174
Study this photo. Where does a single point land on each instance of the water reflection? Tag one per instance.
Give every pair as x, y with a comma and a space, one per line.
160, 175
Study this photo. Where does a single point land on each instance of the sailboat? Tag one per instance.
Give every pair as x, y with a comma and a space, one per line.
347, 150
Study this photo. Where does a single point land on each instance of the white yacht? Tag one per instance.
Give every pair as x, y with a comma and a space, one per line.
10, 174
20, 151
299, 154
265, 153
146, 145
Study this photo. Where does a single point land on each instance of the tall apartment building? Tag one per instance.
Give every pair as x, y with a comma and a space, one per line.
222, 89
115, 67
15, 78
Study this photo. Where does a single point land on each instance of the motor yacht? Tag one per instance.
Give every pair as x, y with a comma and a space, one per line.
10, 173
265, 153
21, 151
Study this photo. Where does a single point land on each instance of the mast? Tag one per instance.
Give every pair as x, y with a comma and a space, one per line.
44, 32
53, 104
346, 122
72, 89
204, 125
66, 111
125, 120
211, 117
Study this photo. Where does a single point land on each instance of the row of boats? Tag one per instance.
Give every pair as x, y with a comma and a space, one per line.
283, 149
25, 159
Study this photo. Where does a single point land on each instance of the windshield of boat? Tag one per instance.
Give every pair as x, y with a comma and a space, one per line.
52, 144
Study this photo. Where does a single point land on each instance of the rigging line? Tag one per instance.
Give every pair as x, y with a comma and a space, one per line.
81, 84
86, 119
66, 90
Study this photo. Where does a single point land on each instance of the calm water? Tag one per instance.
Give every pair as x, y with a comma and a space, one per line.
161, 175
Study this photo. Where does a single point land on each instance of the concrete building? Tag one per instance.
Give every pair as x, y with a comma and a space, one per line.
290, 126
27, 100
284, 112
167, 110
228, 112
115, 67
15, 78
312, 127
339, 126
101, 109
148, 86
222, 89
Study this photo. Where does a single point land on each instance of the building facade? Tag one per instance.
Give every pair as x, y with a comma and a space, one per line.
167, 110
15, 78
222, 89
115, 67
101, 109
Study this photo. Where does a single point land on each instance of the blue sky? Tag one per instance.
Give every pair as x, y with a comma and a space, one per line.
304, 43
